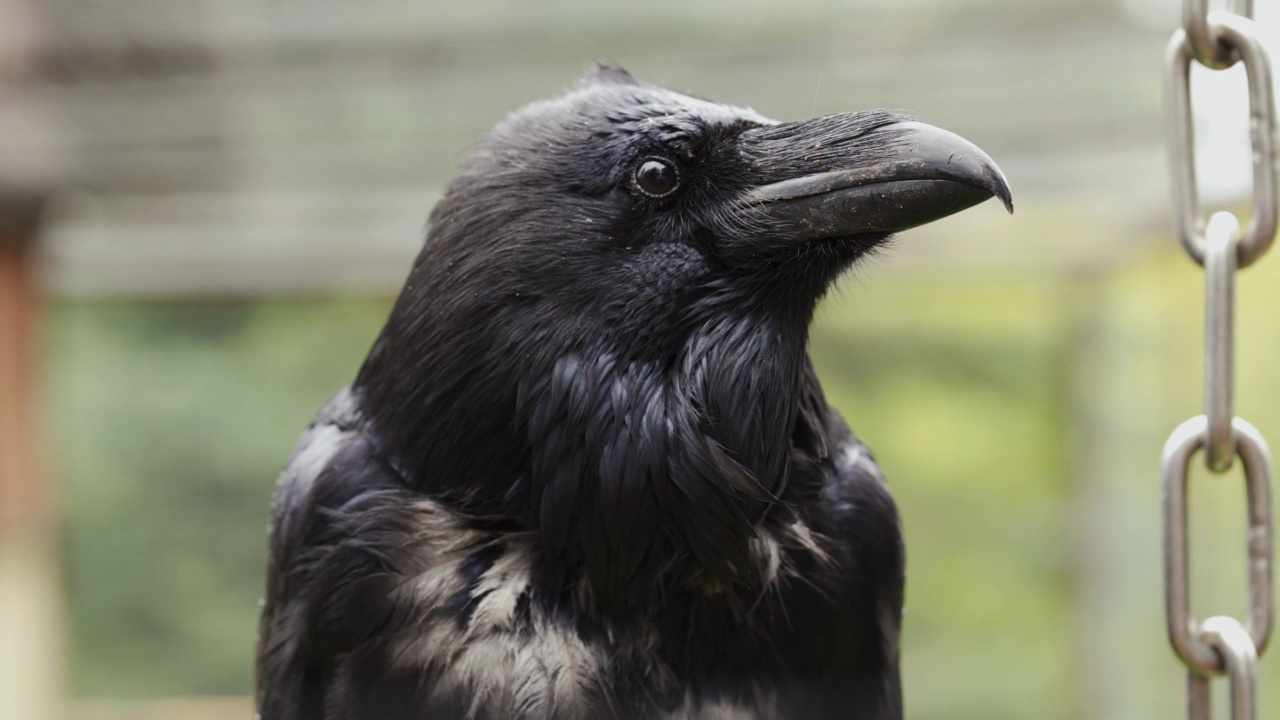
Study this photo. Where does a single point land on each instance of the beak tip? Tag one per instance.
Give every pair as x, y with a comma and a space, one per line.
1000, 188
1007, 200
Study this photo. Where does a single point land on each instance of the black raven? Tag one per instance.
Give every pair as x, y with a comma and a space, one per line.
587, 470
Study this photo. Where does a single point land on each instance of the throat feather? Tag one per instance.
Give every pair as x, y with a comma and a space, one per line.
644, 474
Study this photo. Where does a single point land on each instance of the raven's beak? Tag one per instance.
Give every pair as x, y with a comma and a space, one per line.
889, 178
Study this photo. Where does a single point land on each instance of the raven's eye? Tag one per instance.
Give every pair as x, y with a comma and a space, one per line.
657, 178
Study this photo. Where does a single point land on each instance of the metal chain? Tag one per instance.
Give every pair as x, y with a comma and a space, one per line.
1218, 39
1238, 35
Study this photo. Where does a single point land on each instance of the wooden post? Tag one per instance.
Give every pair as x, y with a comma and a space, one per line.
31, 606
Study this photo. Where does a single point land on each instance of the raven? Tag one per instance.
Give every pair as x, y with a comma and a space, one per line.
587, 470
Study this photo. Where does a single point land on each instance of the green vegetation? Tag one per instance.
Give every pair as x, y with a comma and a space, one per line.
170, 424
1019, 420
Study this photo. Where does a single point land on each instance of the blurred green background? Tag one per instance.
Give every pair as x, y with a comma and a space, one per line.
235, 189
1019, 419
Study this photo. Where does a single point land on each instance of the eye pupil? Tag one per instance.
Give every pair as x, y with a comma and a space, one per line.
656, 178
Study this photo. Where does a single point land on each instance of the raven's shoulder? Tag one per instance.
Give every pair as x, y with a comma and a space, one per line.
843, 573
334, 428
385, 603
313, 562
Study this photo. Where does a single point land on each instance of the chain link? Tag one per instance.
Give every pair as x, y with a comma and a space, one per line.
1184, 633
1229, 639
1205, 44
1218, 39
1240, 34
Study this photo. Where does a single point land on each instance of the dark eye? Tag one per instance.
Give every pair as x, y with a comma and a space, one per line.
657, 178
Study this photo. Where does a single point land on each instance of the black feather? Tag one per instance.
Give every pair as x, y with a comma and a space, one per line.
586, 470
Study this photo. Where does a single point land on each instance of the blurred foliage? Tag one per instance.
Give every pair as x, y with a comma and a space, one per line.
174, 418
171, 422
1019, 421
956, 386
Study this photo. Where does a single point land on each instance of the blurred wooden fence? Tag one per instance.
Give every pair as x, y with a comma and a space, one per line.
266, 146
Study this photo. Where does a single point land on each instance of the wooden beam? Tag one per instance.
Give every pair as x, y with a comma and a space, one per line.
31, 617
22, 499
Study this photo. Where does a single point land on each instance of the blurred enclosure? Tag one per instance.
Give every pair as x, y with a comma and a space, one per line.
228, 191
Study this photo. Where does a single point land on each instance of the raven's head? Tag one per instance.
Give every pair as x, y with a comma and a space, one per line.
603, 338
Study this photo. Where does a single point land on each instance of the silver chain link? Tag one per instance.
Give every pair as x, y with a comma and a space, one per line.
1230, 641
1207, 50
1239, 35
1218, 39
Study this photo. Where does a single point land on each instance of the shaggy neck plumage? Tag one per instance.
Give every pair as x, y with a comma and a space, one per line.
643, 463
642, 470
